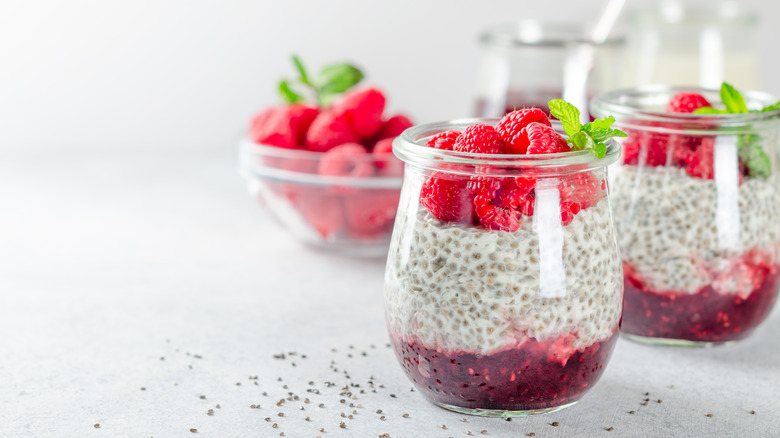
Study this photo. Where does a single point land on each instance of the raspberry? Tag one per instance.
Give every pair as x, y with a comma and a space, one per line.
701, 160
394, 126
653, 145
578, 192
528, 185
443, 140
511, 128
542, 139
447, 198
318, 206
386, 162
686, 103
497, 204
480, 139
362, 110
350, 159
370, 213
329, 129
284, 126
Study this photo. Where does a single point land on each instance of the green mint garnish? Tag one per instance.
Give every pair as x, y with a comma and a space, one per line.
590, 136
750, 151
329, 82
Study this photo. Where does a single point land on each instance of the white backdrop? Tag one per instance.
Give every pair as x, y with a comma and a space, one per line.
153, 74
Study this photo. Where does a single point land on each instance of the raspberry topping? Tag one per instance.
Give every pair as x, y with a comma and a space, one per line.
686, 103
444, 140
447, 198
480, 139
701, 161
497, 204
282, 126
542, 139
511, 128
328, 130
348, 159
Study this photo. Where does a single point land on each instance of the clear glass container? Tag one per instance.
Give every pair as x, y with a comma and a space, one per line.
698, 216
689, 44
528, 63
349, 213
510, 321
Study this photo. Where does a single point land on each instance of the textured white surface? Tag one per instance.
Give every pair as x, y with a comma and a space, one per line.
120, 272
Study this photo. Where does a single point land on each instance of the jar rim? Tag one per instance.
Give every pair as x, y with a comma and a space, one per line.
645, 104
539, 33
410, 148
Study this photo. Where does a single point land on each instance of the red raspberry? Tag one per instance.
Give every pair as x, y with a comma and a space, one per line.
444, 140
318, 206
362, 109
394, 126
578, 192
498, 203
654, 145
543, 139
511, 128
328, 130
480, 139
350, 159
701, 161
527, 185
370, 213
284, 126
686, 103
387, 163
447, 198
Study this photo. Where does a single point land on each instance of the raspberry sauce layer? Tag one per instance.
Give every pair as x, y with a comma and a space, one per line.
706, 316
532, 376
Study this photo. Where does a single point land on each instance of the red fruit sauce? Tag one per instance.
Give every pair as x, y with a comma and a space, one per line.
706, 316
524, 378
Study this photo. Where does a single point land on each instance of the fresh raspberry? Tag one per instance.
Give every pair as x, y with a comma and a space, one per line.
652, 145
511, 128
701, 162
578, 192
284, 126
387, 163
542, 139
394, 126
527, 185
350, 159
319, 207
498, 203
480, 139
329, 129
447, 198
362, 110
444, 140
686, 103
370, 213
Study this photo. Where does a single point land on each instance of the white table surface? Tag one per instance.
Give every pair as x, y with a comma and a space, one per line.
140, 290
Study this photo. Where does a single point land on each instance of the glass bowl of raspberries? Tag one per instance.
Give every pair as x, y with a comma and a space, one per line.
697, 210
504, 284
324, 168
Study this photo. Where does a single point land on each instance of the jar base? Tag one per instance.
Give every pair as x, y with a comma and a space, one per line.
669, 342
501, 413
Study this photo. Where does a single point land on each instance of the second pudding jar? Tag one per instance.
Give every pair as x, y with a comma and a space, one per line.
503, 286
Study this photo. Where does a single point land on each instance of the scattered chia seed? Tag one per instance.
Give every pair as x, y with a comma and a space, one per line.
384, 435
322, 405
210, 412
281, 414
610, 429
218, 406
752, 412
509, 419
274, 425
307, 419
350, 417
197, 356
143, 388
97, 426
378, 411
710, 415
392, 395
647, 393
405, 415
632, 412
531, 434
444, 426
659, 401
343, 425
238, 383
483, 432
464, 420
203, 397
193, 430
322, 429
267, 418
382, 418
554, 424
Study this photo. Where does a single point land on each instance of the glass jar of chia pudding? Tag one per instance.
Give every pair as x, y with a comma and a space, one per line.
697, 211
505, 304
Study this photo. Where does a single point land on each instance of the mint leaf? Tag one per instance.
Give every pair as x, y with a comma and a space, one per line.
288, 94
733, 100
337, 78
600, 130
581, 140
771, 107
753, 155
709, 110
567, 113
301, 70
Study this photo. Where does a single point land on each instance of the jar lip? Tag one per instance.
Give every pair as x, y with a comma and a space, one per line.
538, 33
624, 103
410, 148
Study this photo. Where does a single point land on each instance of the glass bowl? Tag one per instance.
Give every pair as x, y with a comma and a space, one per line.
343, 204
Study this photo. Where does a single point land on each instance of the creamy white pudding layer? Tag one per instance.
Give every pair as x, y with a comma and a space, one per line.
479, 291
677, 238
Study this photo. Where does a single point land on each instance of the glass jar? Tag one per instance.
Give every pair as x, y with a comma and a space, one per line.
526, 64
698, 216
506, 320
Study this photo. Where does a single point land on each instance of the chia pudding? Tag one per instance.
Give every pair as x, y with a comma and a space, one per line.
698, 215
508, 311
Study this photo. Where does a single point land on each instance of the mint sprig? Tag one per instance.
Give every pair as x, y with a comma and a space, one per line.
749, 148
323, 87
591, 136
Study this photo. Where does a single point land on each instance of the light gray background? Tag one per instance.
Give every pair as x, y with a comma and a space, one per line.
131, 256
